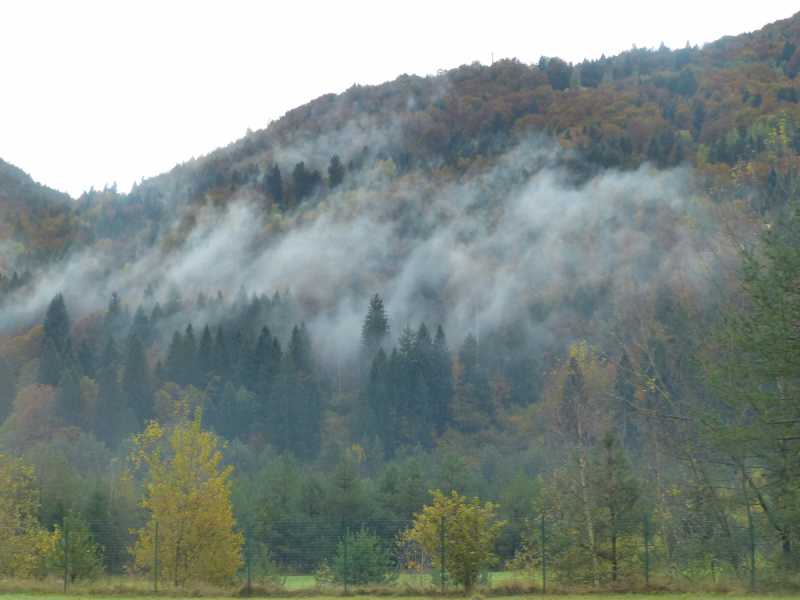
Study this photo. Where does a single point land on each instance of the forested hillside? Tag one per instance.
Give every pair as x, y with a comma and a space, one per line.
519, 282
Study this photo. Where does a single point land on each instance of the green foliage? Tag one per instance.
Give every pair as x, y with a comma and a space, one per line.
469, 534
22, 541
367, 561
84, 554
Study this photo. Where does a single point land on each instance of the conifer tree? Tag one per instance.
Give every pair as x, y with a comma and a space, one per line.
69, 404
335, 171
7, 389
374, 331
135, 386
86, 359
49, 371
56, 322
205, 356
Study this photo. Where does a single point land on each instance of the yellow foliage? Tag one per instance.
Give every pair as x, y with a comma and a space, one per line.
469, 534
22, 541
189, 501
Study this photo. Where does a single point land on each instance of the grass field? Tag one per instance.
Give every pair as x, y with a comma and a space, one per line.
560, 597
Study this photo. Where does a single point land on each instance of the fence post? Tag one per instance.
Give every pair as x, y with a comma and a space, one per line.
66, 552
752, 552
345, 556
442, 569
155, 564
247, 541
544, 557
646, 554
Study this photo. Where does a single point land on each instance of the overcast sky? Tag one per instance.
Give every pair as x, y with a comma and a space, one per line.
97, 92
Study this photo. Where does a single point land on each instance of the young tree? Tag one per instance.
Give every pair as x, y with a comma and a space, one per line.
469, 534
21, 539
189, 497
367, 561
85, 555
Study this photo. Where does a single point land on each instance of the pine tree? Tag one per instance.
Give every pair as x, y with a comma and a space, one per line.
49, 371
86, 359
112, 321
273, 185
7, 389
374, 331
69, 404
335, 171
190, 367
135, 386
56, 322
205, 356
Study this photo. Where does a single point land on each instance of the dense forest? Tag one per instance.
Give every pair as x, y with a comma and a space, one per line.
565, 288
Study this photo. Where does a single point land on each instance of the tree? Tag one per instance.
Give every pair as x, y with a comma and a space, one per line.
559, 73
8, 389
70, 404
56, 322
273, 185
335, 171
49, 368
753, 371
374, 330
189, 497
136, 385
21, 538
469, 534
367, 561
85, 555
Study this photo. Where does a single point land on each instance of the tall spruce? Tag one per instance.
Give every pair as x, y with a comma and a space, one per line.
56, 322
136, 385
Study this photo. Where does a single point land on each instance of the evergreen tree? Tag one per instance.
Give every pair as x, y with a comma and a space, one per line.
112, 321
174, 364
49, 371
374, 331
300, 349
135, 386
141, 326
7, 389
56, 322
335, 171
109, 357
205, 356
190, 368
86, 359
108, 411
69, 404
441, 382
273, 185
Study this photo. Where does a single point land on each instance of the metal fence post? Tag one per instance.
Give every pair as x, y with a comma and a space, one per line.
66, 552
442, 569
752, 552
155, 564
345, 556
247, 541
544, 558
646, 554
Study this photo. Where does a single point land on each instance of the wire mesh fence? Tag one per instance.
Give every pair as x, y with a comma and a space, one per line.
311, 553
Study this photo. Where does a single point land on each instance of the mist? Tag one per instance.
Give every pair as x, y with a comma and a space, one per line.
472, 254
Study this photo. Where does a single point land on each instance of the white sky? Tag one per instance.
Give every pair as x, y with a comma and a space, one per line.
97, 92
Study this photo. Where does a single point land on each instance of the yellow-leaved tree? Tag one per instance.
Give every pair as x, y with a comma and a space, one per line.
22, 541
469, 534
189, 498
